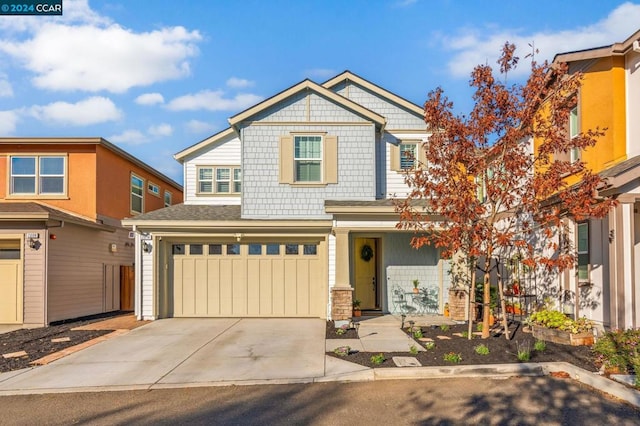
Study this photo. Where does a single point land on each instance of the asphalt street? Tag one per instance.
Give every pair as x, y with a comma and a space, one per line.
521, 401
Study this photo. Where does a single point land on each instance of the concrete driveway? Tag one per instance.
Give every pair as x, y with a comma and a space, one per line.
185, 352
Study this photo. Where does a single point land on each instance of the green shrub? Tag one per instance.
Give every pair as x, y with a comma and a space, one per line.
540, 346
465, 334
413, 350
524, 352
482, 349
479, 327
342, 350
417, 333
444, 327
558, 320
430, 345
619, 349
452, 357
377, 359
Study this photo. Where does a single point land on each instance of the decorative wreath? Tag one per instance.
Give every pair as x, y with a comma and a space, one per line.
366, 253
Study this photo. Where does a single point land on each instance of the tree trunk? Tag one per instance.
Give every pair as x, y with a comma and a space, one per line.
486, 296
472, 300
503, 306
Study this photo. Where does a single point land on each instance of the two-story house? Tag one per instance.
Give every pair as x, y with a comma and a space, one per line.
605, 283
289, 213
63, 249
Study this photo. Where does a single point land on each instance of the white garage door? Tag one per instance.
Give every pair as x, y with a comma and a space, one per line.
248, 280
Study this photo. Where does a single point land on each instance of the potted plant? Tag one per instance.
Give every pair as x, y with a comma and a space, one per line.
356, 308
556, 327
416, 283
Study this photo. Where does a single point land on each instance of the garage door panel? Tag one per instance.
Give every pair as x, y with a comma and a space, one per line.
10, 293
239, 288
302, 287
201, 287
278, 299
265, 289
226, 287
254, 275
213, 287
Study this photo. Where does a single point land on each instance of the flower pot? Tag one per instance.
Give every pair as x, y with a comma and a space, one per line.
562, 337
416, 290
357, 313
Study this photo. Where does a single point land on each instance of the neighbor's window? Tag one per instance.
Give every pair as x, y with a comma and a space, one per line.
307, 158
38, 175
153, 188
583, 251
219, 180
137, 194
573, 132
167, 198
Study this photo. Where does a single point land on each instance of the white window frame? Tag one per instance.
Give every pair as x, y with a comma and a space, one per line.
132, 194
234, 180
402, 157
583, 252
153, 188
38, 175
574, 131
170, 202
319, 159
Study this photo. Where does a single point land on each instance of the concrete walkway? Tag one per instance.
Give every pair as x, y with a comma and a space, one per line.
177, 353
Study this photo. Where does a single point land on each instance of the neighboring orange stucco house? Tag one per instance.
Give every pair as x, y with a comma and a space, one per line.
63, 248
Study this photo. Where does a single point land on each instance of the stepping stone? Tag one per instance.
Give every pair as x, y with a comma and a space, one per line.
444, 337
14, 354
61, 339
425, 339
477, 333
406, 361
457, 334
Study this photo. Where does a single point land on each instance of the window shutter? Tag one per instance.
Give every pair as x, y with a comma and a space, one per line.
395, 158
286, 159
330, 159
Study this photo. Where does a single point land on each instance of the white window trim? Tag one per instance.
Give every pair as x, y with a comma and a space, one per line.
36, 193
214, 180
131, 194
154, 185
170, 198
574, 153
320, 159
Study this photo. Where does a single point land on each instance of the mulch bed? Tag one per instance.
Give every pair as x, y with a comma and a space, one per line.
501, 350
36, 342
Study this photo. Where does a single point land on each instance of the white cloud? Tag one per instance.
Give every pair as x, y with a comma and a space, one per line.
89, 111
160, 130
322, 73
476, 46
239, 83
8, 122
130, 137
199, 127
213, 101
150, 99
6, 91
86, 52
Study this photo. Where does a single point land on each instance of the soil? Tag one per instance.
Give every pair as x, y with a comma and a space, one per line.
37, 342
501, 350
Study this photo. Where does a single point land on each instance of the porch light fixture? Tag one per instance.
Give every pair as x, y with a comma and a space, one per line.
238, 236
356, 325
34, 244
146, 247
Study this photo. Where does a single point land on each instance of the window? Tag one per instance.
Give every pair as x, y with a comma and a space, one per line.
273, 249
215, 248
233, 249
177, 249
310, 249
153, 188
137, 194
291, 249
195, 249
9, 249
583, 251
255, 249
38, 175
307, 158
407, 155
167, 198
219, 180
574, 130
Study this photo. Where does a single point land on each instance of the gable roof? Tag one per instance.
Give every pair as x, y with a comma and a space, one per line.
308, 85
616, 49
91, 141
349, 76
31, 211
211, 140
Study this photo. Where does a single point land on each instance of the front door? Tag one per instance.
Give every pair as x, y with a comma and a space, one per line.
10, 281
366, 272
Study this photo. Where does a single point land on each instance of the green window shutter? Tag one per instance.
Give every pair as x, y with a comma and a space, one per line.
331, 159
286, 159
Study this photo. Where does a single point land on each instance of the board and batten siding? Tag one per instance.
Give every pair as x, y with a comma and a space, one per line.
225, 153
80, 266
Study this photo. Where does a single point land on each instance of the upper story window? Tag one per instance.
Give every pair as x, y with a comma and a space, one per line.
167, 198
574, 130
407, 155
219, 180
38, 175
137, 194
153, 189
307, 158
582, 246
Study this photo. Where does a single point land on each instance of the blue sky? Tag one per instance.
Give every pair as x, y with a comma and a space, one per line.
155, 77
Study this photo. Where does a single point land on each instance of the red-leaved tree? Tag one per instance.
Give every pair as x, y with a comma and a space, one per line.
525, 194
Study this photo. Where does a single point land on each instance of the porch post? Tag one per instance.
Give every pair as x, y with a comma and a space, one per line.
342, 292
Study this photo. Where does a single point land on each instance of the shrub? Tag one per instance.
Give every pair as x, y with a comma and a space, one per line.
479, 327
482, 349
558, 320
417, 333
524, 352
444, 327
342, 350
465, 334
619, 349
413, 350
540, 346
430, 345
377, 359
452, 357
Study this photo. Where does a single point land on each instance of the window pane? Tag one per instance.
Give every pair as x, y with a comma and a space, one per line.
52, 166
167, 199
215, 248
308, 171
222, 187
51, 185
237, 174
10, 249
573, 123
206, 187
195, 249
308, 147
583, 267
310, 249
273, 249
136, 204
407, 155
255, 249
291, 249
24, 185
233, 249
177, 249
136, 182
583, 238
222, 174
23, 166
237, 187
205, 174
